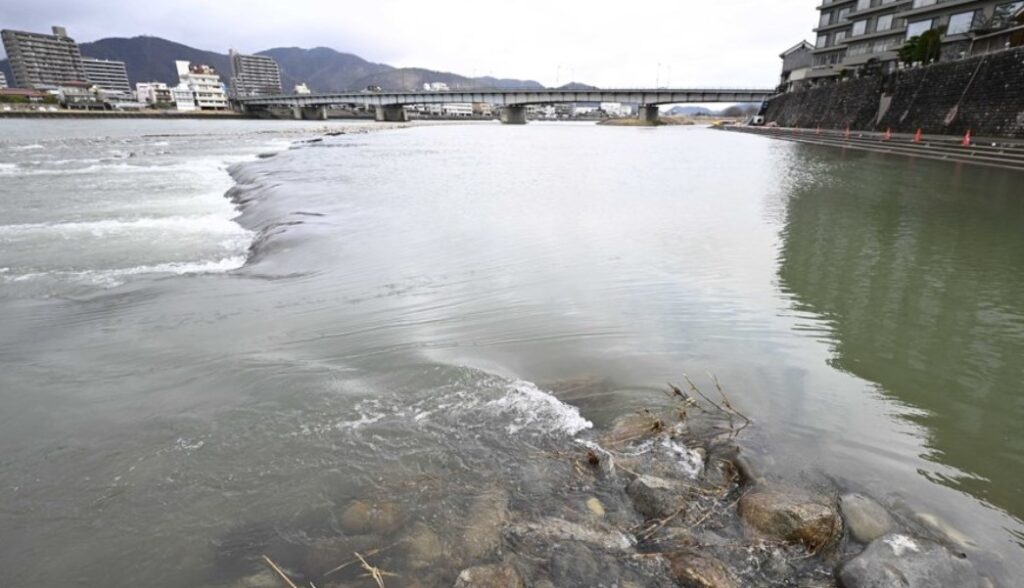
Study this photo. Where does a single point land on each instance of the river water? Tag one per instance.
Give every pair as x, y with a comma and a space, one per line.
188, 380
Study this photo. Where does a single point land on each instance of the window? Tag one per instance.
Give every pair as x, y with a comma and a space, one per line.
843, 14
859, 28
826, 19
915, 29
1003, 14
863, 5
884, 22
822, 41
960, 23
923, 3
839, 37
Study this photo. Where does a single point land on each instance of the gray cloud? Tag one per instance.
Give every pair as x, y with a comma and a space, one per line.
721, 43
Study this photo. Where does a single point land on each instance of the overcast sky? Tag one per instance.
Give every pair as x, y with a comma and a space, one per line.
724, 43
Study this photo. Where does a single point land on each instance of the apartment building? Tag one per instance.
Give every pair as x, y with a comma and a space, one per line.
39, 60
204, 86
254, 75
850, 33
111, 76
3, 80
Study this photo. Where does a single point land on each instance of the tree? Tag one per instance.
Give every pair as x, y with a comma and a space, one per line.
924, 48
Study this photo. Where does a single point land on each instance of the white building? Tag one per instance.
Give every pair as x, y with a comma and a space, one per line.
302, 90
204, 84
153, 93
435, 87
3, 80
183, 98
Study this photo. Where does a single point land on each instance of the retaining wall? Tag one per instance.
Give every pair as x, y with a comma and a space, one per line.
984, 94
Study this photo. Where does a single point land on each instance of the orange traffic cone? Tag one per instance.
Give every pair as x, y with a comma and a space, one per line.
918, 136
967, 139
888, 135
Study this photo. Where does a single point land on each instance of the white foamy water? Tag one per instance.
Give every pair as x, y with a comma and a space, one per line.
97, 211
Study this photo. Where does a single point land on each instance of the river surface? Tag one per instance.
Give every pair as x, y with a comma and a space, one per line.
188, 380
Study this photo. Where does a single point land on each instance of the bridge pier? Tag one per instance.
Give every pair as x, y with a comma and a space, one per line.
648, 113
513, 115
391, 113
309, 112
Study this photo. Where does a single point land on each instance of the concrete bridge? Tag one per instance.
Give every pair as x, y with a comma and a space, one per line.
390, 106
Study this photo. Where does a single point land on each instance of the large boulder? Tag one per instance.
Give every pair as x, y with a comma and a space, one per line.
423, 546
693, 570
865, 518
552, 530
379, 518
794, 515
486, 517
492, 576
655, 497
902, 561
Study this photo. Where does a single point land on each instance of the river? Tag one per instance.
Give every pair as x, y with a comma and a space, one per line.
188, 380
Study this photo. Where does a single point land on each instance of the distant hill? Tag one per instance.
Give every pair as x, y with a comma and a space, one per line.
688, 111
322, 69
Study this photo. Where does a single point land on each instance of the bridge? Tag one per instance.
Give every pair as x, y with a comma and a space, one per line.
390, 106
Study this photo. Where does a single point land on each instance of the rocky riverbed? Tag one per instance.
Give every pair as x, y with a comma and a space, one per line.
661, 498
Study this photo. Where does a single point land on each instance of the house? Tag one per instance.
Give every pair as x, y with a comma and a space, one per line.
796, 64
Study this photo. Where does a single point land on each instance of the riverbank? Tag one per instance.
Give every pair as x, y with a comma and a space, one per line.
667, 496
990, 152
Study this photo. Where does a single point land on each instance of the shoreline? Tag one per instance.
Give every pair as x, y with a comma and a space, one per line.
667, 496
989, 152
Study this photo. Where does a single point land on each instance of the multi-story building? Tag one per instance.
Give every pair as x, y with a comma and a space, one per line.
796, 64
204, 85
850, 33
107, 75
254, 75
43, 61
3, 80
155, 94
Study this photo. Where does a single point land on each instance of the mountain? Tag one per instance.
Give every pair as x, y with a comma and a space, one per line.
322, 69
151, 59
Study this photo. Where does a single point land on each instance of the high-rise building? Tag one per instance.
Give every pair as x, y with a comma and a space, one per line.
108, 75
3, 80
40, 60
204, 85
853, 32
254, 75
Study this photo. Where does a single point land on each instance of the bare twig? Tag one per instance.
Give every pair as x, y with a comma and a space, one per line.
279, 572
370, 553
725, 399
374, 572
702, 395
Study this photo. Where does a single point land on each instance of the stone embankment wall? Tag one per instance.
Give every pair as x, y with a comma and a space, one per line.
984, 94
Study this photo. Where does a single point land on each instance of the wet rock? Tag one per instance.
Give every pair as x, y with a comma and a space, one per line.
945, 531
264, 579
693, 570
493, 576
595, 507
634, 427
794, 515
902, 561
865, 518
484, 522
423, 546
655, 497
361, 517
575, 565
552, 530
